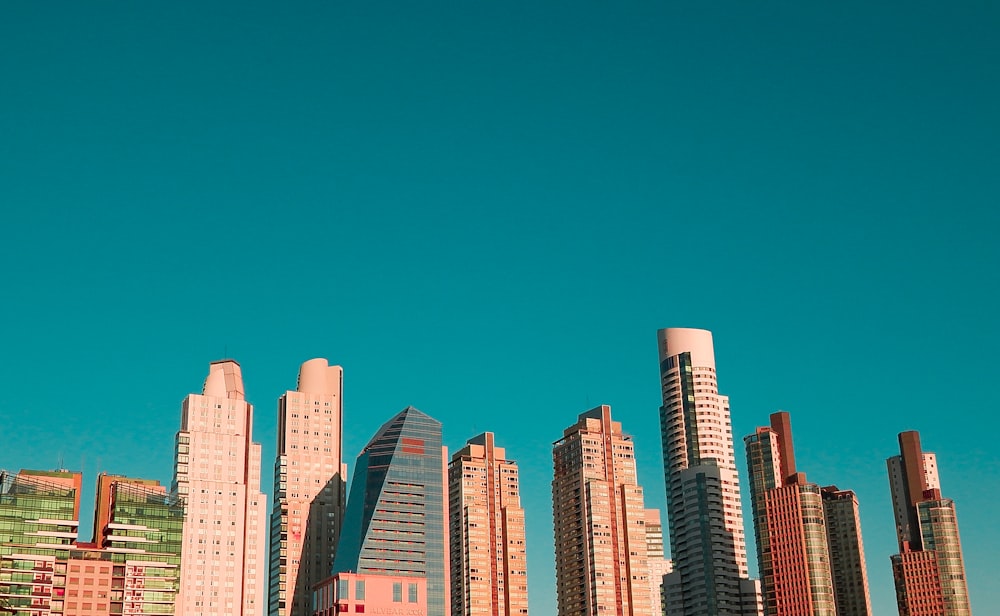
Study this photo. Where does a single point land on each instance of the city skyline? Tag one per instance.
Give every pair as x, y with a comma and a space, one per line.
225, 378
485, 210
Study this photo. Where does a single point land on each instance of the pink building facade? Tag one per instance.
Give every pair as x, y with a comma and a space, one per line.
599, 518
369, 594
488, 549
309, 494
217, 472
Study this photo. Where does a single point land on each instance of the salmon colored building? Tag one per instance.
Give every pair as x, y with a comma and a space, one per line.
847, 552
798, 557
309, 498
370, 594
659, 565
488, 548
600, 533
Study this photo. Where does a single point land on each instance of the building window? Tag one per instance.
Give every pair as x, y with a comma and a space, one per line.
343, 590
413, 593
397, 592
359, 590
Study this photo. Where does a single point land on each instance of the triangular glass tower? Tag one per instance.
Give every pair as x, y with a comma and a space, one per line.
395, 518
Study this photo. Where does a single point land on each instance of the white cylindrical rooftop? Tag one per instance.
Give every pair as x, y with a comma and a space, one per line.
698, 342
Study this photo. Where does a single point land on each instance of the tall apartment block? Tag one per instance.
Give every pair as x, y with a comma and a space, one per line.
929, 572
847, 552
659, 565
599, 519
309, 497
131, 568
488, 553
217, 473
704, 512
788, 514
394, 524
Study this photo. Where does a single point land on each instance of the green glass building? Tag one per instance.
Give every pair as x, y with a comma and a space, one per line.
131, 568
39, 522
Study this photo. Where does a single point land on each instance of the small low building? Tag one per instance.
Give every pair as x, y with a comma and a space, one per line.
369, 594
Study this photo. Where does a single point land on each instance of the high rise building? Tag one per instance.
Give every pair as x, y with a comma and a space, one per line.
394, 524
929, 572
704, 512
790, 525
847, 552
217, 473
488, 553
599, 519
659, 565
308, 505
131, 568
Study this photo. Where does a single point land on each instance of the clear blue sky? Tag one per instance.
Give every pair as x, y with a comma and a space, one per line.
486, 210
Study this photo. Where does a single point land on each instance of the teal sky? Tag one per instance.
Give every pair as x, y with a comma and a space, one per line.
486, 210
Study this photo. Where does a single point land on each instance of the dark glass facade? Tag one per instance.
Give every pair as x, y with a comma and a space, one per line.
395, 518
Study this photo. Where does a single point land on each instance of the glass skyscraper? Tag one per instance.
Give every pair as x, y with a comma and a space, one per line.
396, 511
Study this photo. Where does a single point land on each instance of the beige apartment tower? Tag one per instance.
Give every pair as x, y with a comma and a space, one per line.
847, 552
488, 552
308, 506
217, 473
659, 565
600, 532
